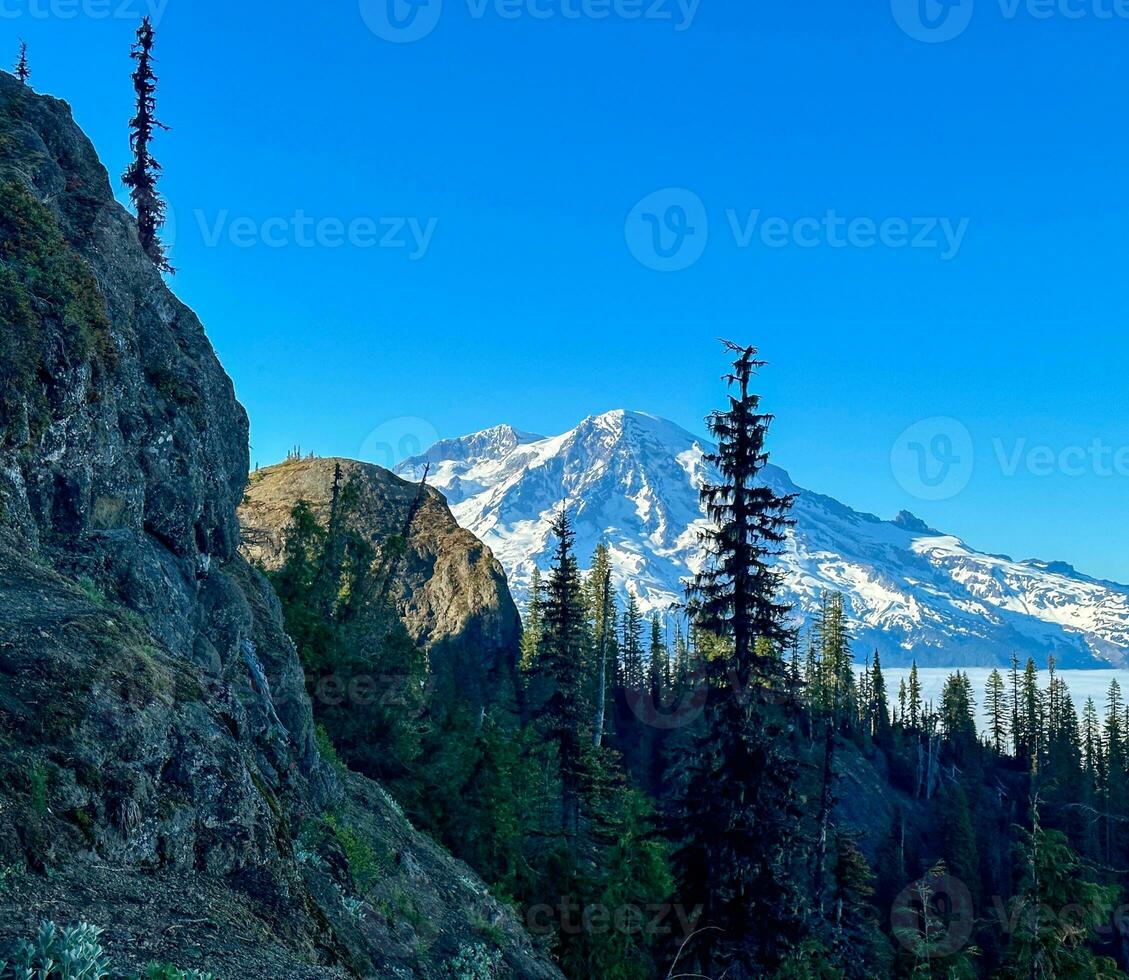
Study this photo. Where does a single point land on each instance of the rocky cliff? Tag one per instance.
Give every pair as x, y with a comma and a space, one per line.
158, 767
449, 589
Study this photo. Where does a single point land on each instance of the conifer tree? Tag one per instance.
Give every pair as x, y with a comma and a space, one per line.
659, 659
531, 635
879, 704
958, 715
603, 618
1116, 778
632, 673
560, 669
682, 667
144, 171
1057, 910
1029, 735
838, 680
995, 706
740, 804
22, 71
916, 717
961, 855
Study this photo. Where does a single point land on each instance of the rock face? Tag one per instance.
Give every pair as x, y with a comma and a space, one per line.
159, 774
449, 589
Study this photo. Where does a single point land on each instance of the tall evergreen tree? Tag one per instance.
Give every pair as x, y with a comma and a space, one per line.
879, 703
631, 648
531, 635
995, 706
739, 799
22, 71
958, 720
916, 715
659, 660
1056, 910
560, 669
602, 604
1029, 735
144, 171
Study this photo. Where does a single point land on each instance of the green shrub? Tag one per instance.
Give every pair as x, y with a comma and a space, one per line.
328, 751
364, 865
58, 954
475, 963
76, 953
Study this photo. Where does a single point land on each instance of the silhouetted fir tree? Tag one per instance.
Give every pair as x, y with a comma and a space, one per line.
879, 702
1030, 732
915, 707
144, 171
682, 665
531, 635
995, 707
560, 668
740, 803
602, 613
631, 647
837, 667
1116, 796
659, 660
958, 715
859, 949
22, 71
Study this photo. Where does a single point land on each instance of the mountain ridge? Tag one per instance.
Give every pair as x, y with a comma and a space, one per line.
914, 592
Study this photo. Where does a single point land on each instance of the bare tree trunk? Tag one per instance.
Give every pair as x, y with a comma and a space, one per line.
602, 690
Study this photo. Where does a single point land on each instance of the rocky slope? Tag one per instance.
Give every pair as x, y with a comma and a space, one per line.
449, 589
913, 592
158, 767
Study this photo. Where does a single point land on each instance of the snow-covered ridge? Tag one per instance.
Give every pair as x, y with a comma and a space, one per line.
632, 480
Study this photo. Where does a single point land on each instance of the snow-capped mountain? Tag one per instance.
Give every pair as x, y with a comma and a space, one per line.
632, 480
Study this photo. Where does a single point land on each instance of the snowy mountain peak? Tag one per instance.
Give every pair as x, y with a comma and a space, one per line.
631, 480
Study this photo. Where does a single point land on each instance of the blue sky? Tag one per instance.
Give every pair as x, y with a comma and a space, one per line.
503, 158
